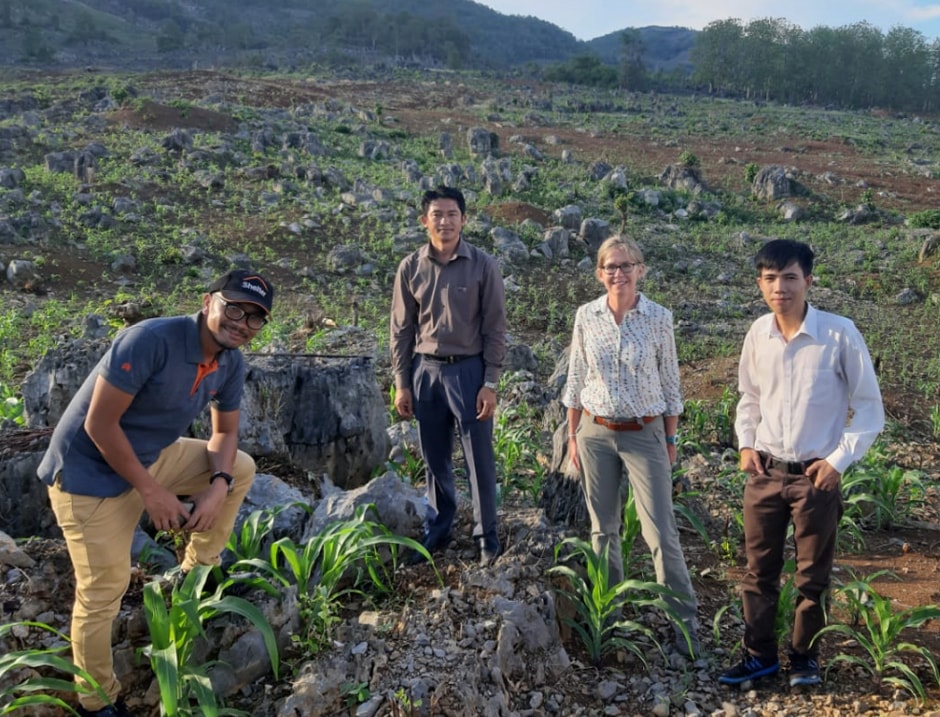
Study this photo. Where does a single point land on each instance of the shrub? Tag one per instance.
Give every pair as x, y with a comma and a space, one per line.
927, 219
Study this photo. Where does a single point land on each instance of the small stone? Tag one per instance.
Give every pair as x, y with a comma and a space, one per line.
661, 708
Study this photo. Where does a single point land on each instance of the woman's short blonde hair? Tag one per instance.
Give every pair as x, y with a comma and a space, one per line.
628, 245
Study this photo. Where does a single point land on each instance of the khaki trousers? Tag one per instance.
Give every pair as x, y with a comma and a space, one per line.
99, 532
604, 453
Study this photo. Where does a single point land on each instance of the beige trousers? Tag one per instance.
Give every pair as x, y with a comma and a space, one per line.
99, 532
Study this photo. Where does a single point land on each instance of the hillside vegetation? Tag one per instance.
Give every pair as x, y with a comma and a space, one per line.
282, 171
122, 195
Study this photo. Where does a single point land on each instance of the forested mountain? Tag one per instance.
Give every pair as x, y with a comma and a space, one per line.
454, 33
665, 49
768, 59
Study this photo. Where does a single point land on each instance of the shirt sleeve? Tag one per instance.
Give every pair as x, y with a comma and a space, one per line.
866, 410
493, 321
669, 367
577, 366
747, 416
135, 355
403, 328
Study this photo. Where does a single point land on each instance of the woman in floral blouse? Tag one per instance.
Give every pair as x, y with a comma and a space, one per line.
624, 401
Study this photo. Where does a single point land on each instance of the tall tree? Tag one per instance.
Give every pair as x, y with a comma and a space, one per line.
633, 74
718, 55
906, 70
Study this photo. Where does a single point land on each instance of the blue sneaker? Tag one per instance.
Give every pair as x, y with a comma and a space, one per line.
749, 668
804, 670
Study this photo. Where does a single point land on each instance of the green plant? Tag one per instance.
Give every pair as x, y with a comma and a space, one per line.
688, 159
247, 542
750, 172
405, 703
355, 692
879, 493
185, 689
599, 606
926, 219
719, 633
709, 422
786, 602
881, 637
630, 531
516, 448
11, 406
341, 560
935, 421
25, 674
410, 467
683, 510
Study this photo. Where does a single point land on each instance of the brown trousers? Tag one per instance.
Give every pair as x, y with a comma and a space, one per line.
771, 502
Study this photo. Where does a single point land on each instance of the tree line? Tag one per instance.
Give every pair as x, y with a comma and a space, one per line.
853, 66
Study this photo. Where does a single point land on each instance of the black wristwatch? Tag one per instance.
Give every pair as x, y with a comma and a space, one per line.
229, 480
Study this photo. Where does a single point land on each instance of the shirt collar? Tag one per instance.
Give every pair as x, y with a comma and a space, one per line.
810, 325
463, 251
192, 342
642, 305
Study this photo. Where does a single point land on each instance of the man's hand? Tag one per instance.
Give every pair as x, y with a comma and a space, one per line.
751, 462
486, 403
824, 476
208, 505
404, 404
165, 509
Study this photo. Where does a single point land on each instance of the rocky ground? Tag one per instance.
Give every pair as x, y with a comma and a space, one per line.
492, 641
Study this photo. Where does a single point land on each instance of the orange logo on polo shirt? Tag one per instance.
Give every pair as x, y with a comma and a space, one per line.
126, 366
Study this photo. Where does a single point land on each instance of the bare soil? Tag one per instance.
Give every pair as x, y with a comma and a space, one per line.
911, 554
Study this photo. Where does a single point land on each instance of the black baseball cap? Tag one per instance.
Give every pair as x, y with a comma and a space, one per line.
245, 287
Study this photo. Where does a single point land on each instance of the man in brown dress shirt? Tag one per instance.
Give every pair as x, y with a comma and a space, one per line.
448, 341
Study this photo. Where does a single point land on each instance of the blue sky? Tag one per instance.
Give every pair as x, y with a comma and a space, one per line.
587, 19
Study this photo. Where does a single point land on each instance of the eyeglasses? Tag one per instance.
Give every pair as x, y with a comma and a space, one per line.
237, 313
626, 268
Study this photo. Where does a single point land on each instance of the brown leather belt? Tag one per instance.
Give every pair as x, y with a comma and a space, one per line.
633, 424
796, 468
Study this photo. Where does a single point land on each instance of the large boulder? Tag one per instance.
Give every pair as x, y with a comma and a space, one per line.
326, 415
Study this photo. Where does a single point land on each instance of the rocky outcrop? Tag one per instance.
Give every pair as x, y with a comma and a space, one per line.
326, 415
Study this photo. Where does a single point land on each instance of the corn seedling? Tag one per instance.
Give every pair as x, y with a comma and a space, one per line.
185, 689
599, 606
630, 531
343, 559
29, 677
880, 634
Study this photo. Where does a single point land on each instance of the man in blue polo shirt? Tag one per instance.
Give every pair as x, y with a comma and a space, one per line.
119, 450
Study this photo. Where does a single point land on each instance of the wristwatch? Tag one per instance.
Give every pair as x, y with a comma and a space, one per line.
229, 480
490, 385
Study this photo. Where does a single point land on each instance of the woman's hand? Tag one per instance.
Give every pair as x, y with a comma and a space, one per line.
573, 453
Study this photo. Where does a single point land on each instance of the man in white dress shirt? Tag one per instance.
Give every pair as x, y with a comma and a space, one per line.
810, 407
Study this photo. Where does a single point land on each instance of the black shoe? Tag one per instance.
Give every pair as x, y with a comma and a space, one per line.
804, 670
750, 668
118, 709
